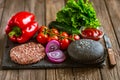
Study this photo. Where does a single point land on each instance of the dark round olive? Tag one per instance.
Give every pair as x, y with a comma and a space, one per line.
86, 51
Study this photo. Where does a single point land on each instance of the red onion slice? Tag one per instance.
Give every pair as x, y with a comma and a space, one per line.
52, 46
57, 60
56, 56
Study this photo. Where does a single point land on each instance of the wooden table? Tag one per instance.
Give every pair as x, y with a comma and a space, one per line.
108, 12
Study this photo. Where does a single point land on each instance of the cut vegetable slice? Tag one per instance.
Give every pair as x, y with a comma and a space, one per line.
56, 56
52, 46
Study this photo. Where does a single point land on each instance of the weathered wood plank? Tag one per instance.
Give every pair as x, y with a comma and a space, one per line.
1, 8
37, 8
11, 7
87, 74
26, 75
31, 74
115, 19
59, 74
52, 7
9, 75
64, 74
114, 13
108, 73
2, 2
50, 74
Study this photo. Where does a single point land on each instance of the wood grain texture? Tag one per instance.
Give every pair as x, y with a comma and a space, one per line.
64, 74
114, 11
59, 74
111, 57
31, 75
50, 74
115, 20
36, 7
103, 14
52, 7
87, 74
9, 75
2, 2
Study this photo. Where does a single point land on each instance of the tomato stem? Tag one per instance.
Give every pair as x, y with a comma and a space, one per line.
49, 32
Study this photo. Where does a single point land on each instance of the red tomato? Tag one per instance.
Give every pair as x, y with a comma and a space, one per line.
91, 33
43, 29
52, 38
42, 38
64, 43
64, 34
74, 37
54, 31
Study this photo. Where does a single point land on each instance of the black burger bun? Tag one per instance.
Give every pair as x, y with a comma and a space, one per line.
86, 51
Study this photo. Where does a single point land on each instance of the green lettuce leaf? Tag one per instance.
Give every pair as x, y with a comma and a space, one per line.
78, 14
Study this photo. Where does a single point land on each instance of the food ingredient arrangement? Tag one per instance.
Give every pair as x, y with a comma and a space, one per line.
76, 30
78, 14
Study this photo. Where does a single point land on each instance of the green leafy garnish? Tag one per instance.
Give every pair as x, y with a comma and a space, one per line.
78, 14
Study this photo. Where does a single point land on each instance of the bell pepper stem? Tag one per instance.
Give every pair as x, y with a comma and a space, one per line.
16, 31
12, 33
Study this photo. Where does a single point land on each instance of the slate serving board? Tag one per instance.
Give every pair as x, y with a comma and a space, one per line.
8, 64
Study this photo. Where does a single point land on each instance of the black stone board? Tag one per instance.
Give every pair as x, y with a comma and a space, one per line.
8, 64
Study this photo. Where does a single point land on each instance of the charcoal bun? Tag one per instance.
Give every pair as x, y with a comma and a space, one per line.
86, 51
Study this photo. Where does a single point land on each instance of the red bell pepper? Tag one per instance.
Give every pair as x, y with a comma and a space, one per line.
21, 27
